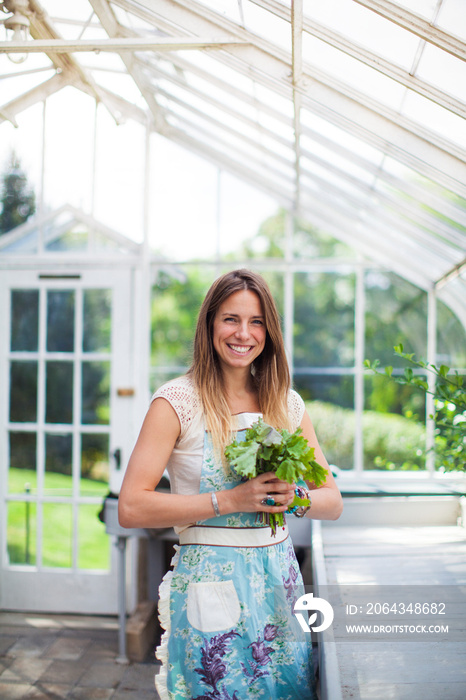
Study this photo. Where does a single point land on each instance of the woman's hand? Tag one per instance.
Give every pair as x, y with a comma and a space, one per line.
250, 495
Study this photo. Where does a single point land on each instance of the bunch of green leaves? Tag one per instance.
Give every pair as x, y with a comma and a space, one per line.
265, 449
449, 394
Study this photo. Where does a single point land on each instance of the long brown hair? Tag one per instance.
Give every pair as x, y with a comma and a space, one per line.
270, 370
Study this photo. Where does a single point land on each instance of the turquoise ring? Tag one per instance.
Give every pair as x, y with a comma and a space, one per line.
269, 500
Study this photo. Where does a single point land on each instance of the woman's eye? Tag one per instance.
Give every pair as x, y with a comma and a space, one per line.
258, 322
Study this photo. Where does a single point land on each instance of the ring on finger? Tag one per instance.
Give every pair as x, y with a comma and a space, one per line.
268, 500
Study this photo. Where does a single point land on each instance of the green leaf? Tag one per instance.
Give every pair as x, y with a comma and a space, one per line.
388, 371
443, 371
243, 457
421, 384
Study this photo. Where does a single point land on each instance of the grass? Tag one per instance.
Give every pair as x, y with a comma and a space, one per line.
57, 527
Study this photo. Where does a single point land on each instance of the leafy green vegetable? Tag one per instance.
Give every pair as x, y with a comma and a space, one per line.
264, 449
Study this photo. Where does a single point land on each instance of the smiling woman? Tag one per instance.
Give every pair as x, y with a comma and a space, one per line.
227, 606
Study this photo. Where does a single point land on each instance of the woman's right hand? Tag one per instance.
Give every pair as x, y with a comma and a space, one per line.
250, 495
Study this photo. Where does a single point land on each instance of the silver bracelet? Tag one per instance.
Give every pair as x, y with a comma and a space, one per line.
213, 496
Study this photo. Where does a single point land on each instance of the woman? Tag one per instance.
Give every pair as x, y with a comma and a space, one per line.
227, 606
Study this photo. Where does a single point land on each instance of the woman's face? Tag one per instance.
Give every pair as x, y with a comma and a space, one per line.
239, 330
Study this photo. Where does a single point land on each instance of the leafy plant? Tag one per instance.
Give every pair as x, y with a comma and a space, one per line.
450, 405
286, 454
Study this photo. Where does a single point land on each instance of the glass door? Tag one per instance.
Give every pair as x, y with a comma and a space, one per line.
65, 352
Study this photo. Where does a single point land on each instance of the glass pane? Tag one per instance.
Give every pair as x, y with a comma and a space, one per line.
393, 425
57, 535
175, 307
95, 468
97, 320
58, 465
329, 402
396, 312
60, 321
73, 240
25, 320
95, 392
324, 320
451, 338
21, 532
22, 473
93, 542
59, 392
331, 388
23, 392
337, 443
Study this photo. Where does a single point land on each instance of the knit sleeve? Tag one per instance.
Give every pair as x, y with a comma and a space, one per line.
296, 409
183, 398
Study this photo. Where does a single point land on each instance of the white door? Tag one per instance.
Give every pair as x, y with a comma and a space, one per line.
65, 356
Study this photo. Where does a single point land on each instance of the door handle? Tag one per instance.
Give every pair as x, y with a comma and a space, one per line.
117, 457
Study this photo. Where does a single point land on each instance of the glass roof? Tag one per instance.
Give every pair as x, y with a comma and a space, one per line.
350, 113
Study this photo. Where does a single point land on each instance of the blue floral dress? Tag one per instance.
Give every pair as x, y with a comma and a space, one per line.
228, 615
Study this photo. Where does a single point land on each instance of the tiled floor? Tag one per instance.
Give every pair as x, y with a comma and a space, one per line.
73, 657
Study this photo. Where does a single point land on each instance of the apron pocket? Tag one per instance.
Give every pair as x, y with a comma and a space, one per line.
213, 605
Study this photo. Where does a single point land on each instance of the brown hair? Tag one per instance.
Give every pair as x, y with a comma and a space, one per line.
270, 369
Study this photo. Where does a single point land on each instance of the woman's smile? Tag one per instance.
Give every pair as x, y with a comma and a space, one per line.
242, 349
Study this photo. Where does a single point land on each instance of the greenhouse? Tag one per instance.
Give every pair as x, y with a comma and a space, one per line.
152, 146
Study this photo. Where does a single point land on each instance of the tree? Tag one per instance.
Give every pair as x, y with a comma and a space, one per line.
175, 306
17, 198
449, 395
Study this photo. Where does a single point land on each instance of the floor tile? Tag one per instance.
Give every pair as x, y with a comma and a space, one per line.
70, 649
25, 669
6, 642
91, 694
61, 671
48, 691
35, 645
123, 694
103, 675
139, 677
14, 691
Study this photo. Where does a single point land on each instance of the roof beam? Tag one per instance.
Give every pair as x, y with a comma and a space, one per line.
363, 55
31, 97
456, 271
400, 138
382, 206
42, 29
262, 180
296, 77
67, 46
344, 229
415, 192
109, 22
417, 25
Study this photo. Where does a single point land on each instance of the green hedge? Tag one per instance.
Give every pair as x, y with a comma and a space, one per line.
390, 441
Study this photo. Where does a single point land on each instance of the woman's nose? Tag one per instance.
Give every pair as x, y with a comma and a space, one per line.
242, 331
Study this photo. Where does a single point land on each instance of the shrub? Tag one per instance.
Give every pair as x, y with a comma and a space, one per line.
390, 441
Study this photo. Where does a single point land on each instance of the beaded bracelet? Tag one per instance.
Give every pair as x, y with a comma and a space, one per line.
300, 511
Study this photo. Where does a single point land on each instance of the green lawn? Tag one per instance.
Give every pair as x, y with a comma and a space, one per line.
93, 542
